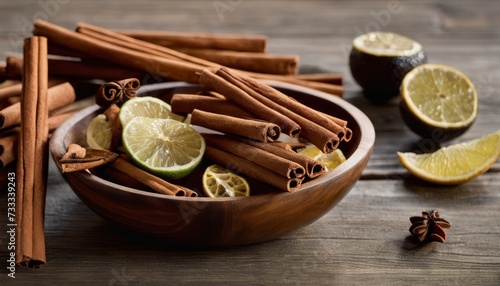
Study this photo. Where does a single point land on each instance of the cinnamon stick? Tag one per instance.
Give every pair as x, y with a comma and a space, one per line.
167, 68
254, 62
332, 78
8, 150
313, 167
65, 68
11, 90
58, 96
112, 114
245, 101
78, 158
272, 162
325, 139
117, 91
242, 43
249, 128
32, 165
186, 103
252, 170
159, 185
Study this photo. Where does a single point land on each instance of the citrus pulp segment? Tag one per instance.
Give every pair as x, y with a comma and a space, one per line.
456, 163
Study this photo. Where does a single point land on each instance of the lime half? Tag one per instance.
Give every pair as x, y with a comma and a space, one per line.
165, 147
146, 106
438, 98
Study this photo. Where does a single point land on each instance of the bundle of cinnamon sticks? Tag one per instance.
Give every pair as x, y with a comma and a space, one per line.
93, 52
253, 115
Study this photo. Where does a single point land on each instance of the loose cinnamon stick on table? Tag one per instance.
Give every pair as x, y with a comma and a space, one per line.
245, 101
326, 140
32, 167
58, 96
249, 128
254, 62
186, 103
241, 43
272, 162
252, 170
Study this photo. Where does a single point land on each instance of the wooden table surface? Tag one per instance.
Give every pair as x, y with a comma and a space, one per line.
365, 238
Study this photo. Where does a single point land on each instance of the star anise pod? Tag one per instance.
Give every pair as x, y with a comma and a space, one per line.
430, 226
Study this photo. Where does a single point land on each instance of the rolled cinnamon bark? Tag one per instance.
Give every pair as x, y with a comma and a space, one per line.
254, 62
11, 90
58, 96
272, 162
245, 101
32, 167
325, 139
313, 168
186, 103
64, 68
241, 43
112, 114
332, 78
248, 128
126, 42
8, 149
117, 91
252, 170
159, 185
167, 68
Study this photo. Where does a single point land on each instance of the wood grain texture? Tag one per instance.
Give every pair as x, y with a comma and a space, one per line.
364, 239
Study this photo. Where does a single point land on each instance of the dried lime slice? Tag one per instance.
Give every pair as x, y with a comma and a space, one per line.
220, 182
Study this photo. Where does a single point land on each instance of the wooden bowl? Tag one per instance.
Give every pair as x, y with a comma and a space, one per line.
226, 221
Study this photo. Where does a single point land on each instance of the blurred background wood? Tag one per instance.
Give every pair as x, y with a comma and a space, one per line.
364, 239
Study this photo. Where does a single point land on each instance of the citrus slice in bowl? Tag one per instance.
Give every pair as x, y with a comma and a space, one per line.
454, 164
164, 147
330, 160
99, 133
220, 182
146, 106
380, 60
438, 102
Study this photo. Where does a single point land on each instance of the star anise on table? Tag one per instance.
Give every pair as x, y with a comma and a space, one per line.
429, 227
